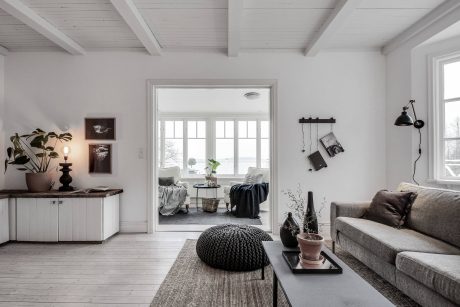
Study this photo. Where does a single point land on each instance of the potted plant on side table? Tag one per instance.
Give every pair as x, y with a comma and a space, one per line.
309, 240
211, 171
33, 153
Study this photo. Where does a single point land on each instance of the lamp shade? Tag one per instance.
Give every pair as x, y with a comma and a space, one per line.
404, 120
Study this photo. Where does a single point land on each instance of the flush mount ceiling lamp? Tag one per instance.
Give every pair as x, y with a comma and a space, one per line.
252, 95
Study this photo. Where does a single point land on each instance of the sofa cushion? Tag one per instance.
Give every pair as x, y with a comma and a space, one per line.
440, 273
387, 242
390, 208
435, 212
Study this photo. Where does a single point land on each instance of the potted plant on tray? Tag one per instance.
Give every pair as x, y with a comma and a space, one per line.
309, 240
33, 153
211, 171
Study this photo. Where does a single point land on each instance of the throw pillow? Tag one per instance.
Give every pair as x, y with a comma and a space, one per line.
165, 181
390, 208
253, 179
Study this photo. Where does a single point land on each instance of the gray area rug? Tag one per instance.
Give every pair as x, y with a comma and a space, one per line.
205, 218
190, 282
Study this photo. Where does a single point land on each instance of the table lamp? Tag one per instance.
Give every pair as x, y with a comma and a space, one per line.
65, 179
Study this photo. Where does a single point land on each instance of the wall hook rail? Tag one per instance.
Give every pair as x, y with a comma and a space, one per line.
317, 120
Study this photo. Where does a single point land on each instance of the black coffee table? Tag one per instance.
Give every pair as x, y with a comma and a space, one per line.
346, 289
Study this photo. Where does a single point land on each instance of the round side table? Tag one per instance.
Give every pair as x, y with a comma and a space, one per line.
203, 186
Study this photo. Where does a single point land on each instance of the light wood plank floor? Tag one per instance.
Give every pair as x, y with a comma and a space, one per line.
125, 271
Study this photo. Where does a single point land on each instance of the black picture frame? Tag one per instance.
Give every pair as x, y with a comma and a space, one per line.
102, 128
331, 145
100, 158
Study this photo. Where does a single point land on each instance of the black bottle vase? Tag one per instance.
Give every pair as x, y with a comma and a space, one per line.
289, 231
310, 223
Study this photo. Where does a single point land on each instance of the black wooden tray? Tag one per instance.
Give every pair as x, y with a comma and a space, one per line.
328, 266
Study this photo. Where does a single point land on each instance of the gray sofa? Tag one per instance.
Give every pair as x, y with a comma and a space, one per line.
422, 259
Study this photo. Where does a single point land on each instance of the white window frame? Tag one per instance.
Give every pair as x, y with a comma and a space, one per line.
437, 138
210, 120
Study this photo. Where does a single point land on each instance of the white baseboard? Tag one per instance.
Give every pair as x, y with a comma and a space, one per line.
136, 226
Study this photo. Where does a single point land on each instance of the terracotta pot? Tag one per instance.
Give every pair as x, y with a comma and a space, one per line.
38, 182
310, 245
211, 181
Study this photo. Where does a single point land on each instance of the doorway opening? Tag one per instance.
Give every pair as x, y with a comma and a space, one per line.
212, 160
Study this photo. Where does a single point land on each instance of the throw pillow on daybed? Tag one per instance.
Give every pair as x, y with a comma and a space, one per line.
165, 181
390, 208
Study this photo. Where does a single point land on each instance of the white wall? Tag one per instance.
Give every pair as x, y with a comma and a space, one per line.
408, 78
2, 118
52, 90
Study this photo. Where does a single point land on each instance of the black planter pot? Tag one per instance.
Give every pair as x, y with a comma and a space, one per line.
287, 237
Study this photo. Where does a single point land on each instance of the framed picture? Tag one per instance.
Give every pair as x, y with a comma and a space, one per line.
100, 128
330, 143
100, 158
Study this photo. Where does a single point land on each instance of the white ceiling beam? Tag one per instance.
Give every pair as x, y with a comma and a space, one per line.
3, 51
136, 22
339, 15
20, 11
436, 21
235, 14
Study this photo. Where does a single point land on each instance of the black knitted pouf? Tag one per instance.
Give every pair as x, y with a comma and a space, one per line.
233, 247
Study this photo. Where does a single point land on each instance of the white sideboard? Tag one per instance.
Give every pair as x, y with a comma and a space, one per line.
4, 225
67, 218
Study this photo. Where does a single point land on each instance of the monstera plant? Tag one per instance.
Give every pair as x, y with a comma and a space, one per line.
33, 153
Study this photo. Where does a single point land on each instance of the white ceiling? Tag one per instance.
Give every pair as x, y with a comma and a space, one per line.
203, 24
212, 100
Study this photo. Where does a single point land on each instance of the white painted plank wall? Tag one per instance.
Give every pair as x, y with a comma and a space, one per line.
4, 225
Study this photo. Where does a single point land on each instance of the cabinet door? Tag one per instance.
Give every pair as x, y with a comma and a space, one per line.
111, 216
37, 219
4, 224
80, 219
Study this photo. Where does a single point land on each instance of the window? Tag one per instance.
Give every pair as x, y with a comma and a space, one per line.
447, 114
173, 144
225, 144
236, 143
196, 146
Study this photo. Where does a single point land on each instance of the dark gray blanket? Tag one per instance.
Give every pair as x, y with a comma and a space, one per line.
247, 198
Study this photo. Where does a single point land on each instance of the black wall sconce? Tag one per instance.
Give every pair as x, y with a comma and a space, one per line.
405, 120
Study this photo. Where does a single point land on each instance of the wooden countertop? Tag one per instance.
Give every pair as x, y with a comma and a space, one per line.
57, 194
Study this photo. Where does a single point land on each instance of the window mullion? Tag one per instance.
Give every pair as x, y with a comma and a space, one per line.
185, 146
162, 140
235, 147
258, 144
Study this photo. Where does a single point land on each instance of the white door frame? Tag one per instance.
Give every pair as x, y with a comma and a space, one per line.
152, 118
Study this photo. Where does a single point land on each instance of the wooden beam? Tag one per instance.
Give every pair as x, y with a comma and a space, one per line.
436, 21
136, 22
20, 11
235, 13
339, 15
3, 51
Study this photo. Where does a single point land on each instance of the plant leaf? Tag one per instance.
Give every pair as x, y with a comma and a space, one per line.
37, 142
22, 169
40, 155
53, 155
9, 151
49, 148
21, 160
